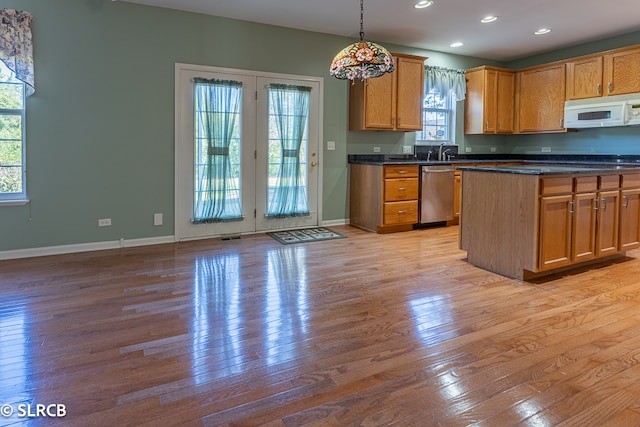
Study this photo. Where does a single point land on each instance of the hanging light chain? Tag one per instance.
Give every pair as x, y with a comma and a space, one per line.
361, 20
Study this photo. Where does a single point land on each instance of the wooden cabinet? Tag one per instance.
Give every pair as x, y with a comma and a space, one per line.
383, 198
615, 72
608, 199
554, 241
580, 224
585, 77
457, 188
541, 99
392, 101
629, 212
489, 102
622, 71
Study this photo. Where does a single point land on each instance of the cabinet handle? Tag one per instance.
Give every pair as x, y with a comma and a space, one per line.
604, 203
625, 201
401, 172
561, 123
486, 125
597, 202
599, 88
402, 188
609, 87
571, 211
402, 212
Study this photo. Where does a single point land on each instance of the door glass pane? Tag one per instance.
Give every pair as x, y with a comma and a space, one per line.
287, 152
217, 168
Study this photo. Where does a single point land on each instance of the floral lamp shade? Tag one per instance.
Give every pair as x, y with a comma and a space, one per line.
362, 60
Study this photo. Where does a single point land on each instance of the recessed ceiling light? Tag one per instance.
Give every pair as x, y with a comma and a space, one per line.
542, 31
488, 19
422, 4
456, 44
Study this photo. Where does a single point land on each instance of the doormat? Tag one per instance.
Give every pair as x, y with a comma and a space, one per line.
305, 235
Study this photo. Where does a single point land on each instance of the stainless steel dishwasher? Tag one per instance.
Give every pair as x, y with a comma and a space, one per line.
436, 193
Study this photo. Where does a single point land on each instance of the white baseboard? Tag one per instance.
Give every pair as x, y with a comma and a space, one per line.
112, 244
334, 222
84, 247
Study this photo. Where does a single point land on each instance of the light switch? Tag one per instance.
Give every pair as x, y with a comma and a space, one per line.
331, 145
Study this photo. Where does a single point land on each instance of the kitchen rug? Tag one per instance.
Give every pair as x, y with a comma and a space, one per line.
315, 234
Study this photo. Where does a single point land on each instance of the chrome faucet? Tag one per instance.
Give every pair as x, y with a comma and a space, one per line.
440, 152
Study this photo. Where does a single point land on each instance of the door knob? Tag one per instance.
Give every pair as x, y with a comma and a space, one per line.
314, 164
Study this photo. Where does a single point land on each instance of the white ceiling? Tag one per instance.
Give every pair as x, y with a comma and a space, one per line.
446, 21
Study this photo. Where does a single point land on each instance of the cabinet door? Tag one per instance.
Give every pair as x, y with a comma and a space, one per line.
629, 219
542, 92
607, 230
584, 227
623, 72
504, 102
409, 93
554, 246
379, 103
584, 78
490, 101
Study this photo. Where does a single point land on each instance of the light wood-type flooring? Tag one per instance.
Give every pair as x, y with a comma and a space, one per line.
371, 330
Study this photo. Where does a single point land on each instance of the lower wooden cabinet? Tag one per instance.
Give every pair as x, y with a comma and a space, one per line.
383, 199
580, 224
629, 212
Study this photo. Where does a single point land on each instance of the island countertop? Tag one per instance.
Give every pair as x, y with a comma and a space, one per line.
548, 169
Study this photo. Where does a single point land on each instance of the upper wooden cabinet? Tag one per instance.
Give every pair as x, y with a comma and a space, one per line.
615, 72
392, 101
489, 103
584, 78
541, 99
622, 69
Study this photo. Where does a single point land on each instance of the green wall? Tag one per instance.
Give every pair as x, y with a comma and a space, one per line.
100, 127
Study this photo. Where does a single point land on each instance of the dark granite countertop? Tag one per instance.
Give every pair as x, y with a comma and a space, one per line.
549, 169
588, 162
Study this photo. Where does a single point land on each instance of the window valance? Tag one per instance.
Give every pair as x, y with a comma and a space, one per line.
445, 80
16, 45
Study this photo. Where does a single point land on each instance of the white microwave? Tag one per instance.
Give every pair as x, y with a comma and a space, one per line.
619, 110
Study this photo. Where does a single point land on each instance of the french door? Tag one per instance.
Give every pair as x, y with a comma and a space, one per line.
247, 151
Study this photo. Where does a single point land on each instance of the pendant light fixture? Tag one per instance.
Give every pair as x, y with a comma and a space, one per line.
362, 60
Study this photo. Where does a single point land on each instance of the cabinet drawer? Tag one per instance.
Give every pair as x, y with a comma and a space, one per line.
401, 171
630, 180
400, 189
401, 212
609, 182
556, 185
586, 184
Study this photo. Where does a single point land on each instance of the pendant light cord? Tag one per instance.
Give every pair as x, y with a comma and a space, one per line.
361, 20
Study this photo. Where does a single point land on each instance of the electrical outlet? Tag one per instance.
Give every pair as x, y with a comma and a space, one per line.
407, 149
157, 219
546, 149
104, 222
376, 149
493, 149
467, 149
331, 145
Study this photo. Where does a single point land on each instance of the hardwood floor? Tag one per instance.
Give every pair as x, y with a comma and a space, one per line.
372, 330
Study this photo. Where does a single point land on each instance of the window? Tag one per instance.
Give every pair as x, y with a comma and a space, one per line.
438, 118
12, 147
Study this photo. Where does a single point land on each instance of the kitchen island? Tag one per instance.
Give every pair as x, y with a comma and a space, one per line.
528, 220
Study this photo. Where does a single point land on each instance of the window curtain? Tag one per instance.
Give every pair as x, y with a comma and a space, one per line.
16, 45
217, 120
289, 112
445, 80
